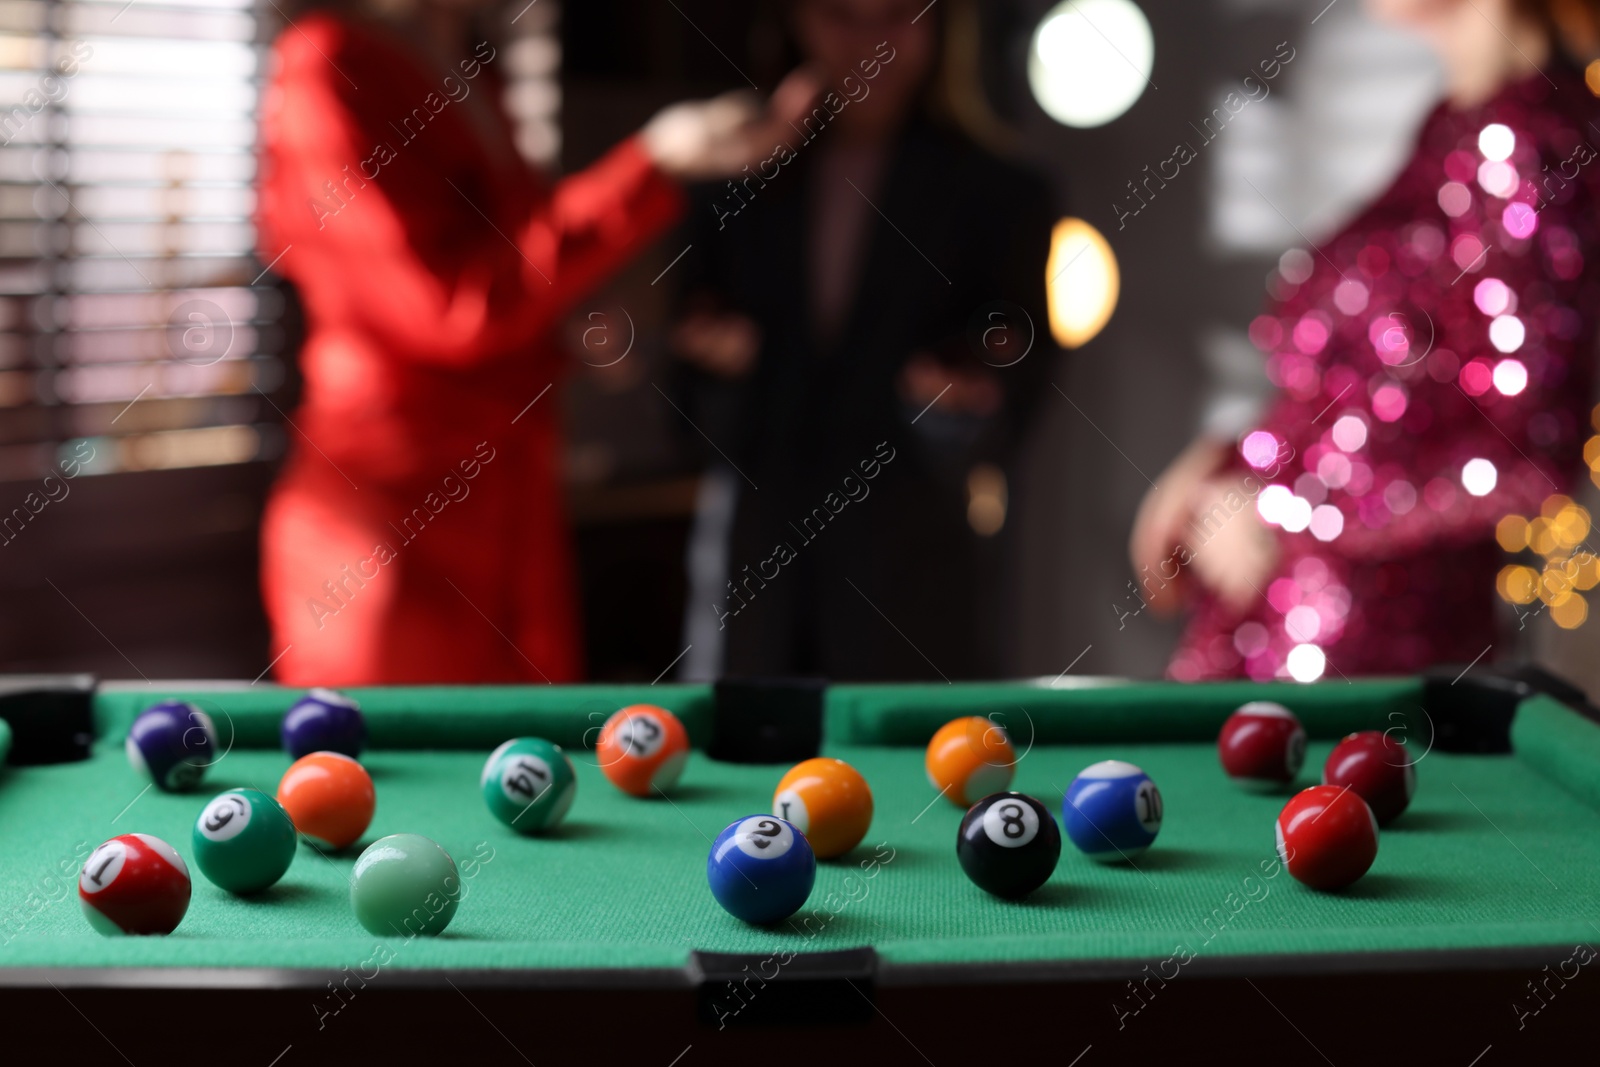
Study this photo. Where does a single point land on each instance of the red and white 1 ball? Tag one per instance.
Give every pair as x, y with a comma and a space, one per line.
1377, 767
134, 884
1262, 746
1327, 837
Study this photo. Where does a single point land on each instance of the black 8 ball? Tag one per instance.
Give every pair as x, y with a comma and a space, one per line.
1008, 844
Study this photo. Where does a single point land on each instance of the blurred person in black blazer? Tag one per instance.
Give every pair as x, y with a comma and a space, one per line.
857, 309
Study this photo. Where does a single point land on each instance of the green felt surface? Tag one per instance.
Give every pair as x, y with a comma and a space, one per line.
1561, 745
424, 716
1493, 852
1080, 711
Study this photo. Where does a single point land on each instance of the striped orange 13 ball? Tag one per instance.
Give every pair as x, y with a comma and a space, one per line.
643, 748
970, 758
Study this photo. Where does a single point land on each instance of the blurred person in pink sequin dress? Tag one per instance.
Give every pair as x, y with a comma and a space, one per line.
1433, 364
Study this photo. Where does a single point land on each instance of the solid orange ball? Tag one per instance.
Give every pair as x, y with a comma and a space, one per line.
829, 801
643, 749
970, 758
329, 797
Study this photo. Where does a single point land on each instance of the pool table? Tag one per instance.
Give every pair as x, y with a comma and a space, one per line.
1470, 937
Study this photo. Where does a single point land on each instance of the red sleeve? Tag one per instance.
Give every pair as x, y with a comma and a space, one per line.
413, 244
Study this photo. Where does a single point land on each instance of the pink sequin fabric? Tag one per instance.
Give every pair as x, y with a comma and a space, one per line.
1434, 364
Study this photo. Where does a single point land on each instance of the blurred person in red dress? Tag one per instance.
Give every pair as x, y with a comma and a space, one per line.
416, 533
1433, 362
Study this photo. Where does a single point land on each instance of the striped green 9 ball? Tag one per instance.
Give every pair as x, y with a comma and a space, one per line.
243, 841
528, 784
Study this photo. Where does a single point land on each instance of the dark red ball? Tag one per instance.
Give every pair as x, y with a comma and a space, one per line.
1377, 768
1327, 837
1262, 746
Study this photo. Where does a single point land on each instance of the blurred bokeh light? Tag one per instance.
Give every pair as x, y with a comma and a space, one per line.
1084, 282
1565, 567
1090, 60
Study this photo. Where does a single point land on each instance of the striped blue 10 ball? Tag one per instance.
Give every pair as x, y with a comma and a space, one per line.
1112, 811
528, 784
172, 743
761, 869
324, 721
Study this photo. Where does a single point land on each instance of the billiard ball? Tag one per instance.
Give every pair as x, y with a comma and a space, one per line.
642, 749
528, 784
172, 743
1112, 811
324, 721
329, 797
1375, 767
134, 884
1008, 844
243, 841
970, 758
404, 885
1262, 746
761, 869
829, 801
1327, 836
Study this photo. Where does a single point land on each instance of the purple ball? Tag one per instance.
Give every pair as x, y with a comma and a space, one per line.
172, 743
324, 721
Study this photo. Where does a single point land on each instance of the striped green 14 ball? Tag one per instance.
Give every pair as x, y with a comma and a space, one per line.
528, 784
243, 841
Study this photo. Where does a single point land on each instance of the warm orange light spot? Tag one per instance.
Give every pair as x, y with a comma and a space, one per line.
1570, 526
1083, 282
986, 499
1554, 586
1512, 533
1553, 505
1540, 537
1570, 613
1518, 584
1585, 570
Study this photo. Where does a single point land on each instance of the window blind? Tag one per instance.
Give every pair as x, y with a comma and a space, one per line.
134, 325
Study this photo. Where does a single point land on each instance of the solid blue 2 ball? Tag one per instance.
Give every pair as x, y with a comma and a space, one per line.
172, 743
761, 869
1112, 811
324, 721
